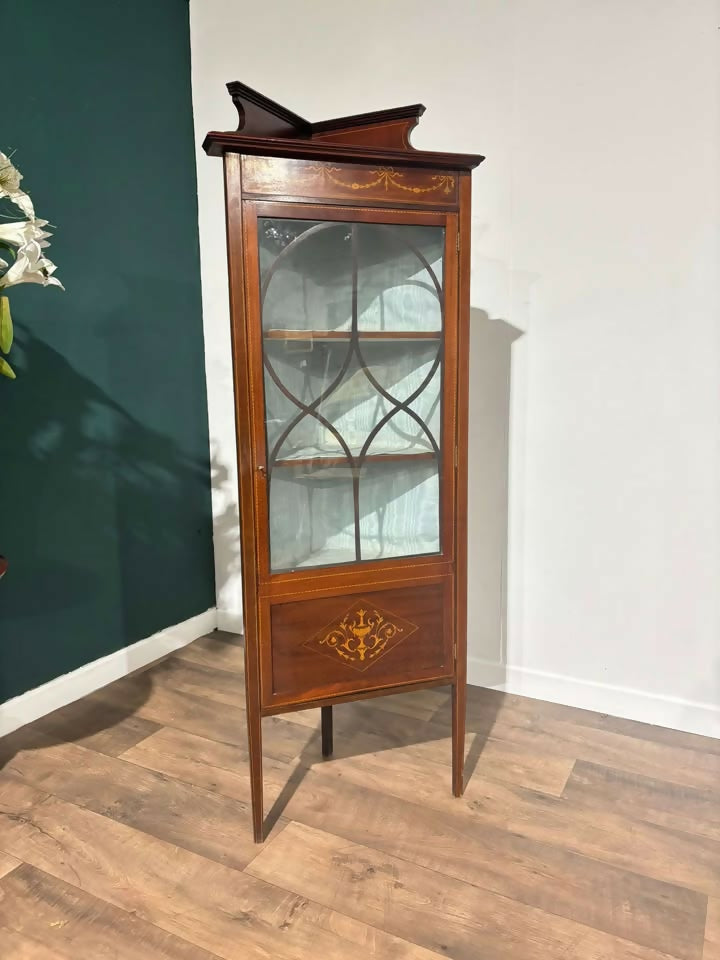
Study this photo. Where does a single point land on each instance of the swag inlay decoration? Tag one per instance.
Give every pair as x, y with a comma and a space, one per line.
388, 177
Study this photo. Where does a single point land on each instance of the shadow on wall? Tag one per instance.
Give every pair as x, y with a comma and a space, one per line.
491, 343
226, 534
103, 516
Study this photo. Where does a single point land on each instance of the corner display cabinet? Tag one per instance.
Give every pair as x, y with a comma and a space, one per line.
349, 262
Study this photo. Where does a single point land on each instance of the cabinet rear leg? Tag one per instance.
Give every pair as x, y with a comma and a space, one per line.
326, 726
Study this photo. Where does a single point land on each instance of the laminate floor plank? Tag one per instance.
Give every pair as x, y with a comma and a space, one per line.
657, 801
712, 931
76, 925
193, 759
693, 768
7, 863
99, 726
216, 652
417, 704
203, 681
645, 848
617, 901
218, 908
282, 739
452, 918
208, 823
16, 946
373, 941
372, 730
496, 759
226, 636
481, 699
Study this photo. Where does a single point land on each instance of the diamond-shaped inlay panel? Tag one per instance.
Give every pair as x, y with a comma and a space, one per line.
362, 635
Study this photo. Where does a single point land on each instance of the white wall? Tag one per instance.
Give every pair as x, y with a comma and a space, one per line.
595, 237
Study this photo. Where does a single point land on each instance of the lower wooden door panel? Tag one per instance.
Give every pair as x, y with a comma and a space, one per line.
360, 640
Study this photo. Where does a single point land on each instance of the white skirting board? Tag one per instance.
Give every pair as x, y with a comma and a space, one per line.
230, 620
90, 677
702, 718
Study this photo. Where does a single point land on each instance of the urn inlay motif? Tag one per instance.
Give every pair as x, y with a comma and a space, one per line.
362, 635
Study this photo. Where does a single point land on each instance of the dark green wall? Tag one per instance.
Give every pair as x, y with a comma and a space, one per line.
104, 474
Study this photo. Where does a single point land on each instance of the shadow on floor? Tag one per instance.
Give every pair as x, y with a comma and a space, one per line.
369, 727
91, 720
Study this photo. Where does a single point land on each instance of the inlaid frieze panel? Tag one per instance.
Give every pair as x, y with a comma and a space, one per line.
353, 182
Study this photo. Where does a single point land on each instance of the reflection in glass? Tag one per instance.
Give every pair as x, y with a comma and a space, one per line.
352, 319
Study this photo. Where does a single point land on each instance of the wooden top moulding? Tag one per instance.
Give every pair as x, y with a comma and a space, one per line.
268, 129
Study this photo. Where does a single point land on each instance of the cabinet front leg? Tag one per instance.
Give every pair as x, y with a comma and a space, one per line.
458, 737
254, 724
326, 726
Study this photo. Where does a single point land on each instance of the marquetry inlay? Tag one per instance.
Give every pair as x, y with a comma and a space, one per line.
362, 635
355, 182
386, 177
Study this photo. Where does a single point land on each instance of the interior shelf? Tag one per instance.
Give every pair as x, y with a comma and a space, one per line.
345, 335
369, 550
321, 461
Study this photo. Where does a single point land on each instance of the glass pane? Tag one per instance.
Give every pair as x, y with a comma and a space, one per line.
306, 273
296, 380
399, 277
352, 319
312, 516
399, 514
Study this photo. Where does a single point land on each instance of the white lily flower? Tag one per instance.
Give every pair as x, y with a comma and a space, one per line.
18, 232
30, 267
10, 178
26, 240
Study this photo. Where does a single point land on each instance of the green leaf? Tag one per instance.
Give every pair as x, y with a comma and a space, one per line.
6, 370
6, 326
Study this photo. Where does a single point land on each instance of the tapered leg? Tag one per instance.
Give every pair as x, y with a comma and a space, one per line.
458, 736
254, 724
326, 725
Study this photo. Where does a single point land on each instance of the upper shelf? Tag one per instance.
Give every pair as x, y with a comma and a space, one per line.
269, 129
345, 335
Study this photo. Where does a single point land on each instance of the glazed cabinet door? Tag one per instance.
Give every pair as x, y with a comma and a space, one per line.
355, 427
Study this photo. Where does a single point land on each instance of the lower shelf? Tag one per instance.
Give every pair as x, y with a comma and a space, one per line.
370, 549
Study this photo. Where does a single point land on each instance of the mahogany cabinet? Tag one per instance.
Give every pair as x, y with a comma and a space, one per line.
349, 262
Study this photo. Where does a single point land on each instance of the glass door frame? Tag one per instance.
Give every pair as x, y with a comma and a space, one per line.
252, 211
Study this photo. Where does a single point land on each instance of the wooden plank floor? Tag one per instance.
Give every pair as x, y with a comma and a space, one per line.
125, 830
